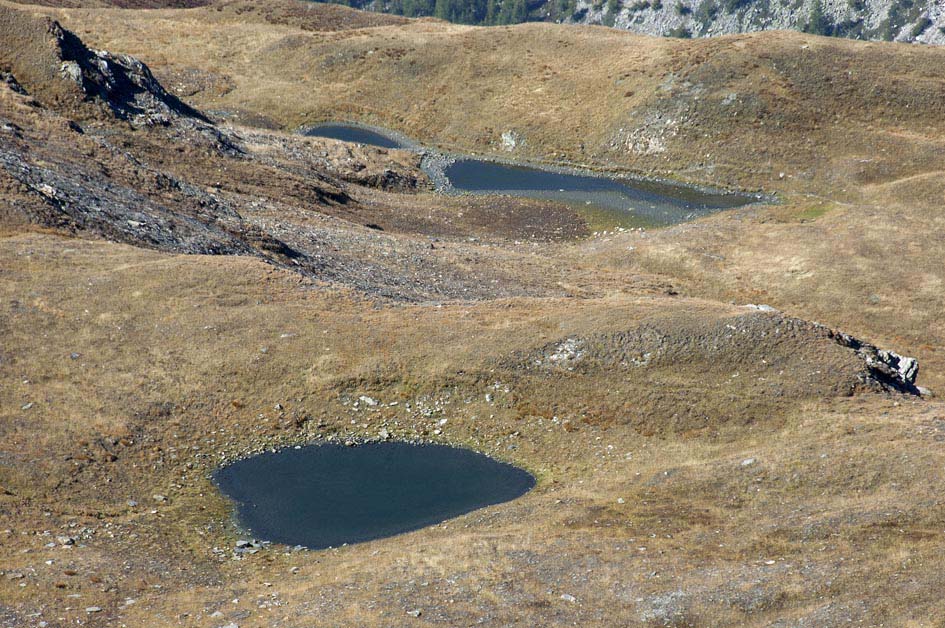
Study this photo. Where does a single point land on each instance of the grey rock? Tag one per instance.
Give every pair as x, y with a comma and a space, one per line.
761, 307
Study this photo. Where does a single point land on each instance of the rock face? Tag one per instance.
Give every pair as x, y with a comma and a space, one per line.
920, 21
895, 20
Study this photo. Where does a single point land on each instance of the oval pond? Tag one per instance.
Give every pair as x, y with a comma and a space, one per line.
322, 496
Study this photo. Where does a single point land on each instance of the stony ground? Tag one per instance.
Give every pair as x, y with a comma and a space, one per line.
177, 292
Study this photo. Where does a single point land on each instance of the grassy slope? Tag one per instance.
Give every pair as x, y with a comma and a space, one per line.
838, 518
733, 109
842, 494
851, 133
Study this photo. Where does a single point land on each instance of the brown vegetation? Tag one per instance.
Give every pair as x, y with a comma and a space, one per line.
175, 293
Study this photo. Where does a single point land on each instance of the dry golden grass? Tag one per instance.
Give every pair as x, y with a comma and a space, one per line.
733, 482
841, 496
856, 127
830, 114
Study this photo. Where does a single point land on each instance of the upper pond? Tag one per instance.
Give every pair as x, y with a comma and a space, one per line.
326, 495
354, 134
604, 202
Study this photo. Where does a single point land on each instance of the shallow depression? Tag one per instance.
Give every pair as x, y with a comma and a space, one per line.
323, 496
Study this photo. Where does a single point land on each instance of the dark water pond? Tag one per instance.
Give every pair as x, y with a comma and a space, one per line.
636, 203
355, 134
326, 495
603, 202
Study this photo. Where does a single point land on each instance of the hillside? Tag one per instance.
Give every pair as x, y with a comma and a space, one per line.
898, 20
914, 21
721, 417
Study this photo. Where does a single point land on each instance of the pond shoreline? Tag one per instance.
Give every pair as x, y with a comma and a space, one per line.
617, 199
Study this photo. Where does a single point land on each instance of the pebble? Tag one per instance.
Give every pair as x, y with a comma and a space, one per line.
93, 609
159, 498
415, 613
747, 462
567, 597
27, 406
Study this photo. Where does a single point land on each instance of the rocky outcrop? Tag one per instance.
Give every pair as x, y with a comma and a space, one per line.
888, 368
120, 82
39, 56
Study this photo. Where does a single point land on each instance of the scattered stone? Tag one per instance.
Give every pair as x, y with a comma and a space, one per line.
567, 597
368, 401
216, 614
93, 609
747, 462
26, 406
159, 498
621, 500
15, 575
65, 540
415, 613
132, 503
248, 547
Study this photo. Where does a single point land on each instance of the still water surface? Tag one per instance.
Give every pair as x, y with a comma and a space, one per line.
326, 495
